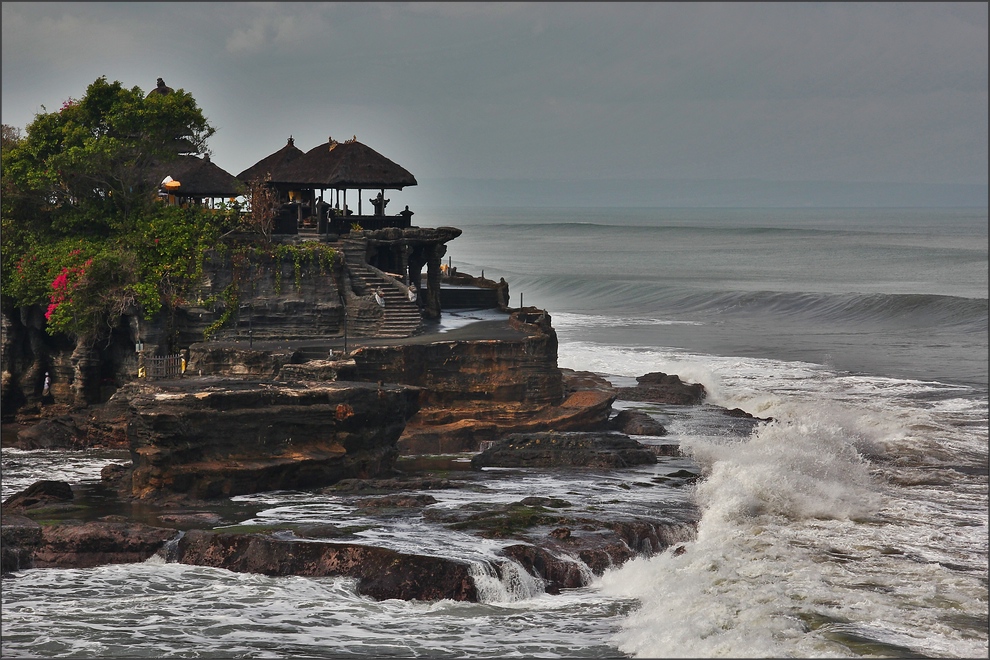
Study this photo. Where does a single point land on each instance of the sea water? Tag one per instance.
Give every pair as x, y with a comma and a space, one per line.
852, 524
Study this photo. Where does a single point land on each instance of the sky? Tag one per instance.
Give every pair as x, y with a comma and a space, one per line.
557, 104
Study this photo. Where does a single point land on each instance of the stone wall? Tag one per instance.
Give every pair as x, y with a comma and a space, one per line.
274, 304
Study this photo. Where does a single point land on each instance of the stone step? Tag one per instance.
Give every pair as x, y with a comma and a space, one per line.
401, 317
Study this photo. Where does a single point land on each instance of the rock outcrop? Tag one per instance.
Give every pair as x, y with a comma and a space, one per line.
479, 390
636, 422
19, 538
95, 543
210, 438
599, 450
381, 573
659, 387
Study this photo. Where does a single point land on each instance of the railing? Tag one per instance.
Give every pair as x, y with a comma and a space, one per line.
287, 224
168, 366
342, 224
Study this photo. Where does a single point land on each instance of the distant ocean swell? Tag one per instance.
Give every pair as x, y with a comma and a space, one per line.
632, 298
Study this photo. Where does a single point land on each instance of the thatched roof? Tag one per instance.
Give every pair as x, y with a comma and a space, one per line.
343, 165
198, 177
270, 164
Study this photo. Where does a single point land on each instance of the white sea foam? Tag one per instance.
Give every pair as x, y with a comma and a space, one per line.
808, 542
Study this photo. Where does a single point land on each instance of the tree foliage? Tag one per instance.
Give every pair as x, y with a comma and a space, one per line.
88, 168
83, 232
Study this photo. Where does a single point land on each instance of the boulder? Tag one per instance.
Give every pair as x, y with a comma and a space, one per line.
573, 449
60, 432
557, 572
636, 422
381, 573
40, 493
658, 387
19, 537
84, 545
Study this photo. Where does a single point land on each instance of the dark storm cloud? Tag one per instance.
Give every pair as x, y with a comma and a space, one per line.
781, 92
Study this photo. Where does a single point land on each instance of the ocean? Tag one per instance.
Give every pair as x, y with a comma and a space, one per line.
852, 525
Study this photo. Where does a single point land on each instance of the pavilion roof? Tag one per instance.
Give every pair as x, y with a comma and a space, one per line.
342, 165
269, 164
198, 177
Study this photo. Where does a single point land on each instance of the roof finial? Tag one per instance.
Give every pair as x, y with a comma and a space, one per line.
291, 141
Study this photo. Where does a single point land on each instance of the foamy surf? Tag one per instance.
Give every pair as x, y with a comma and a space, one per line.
808, 544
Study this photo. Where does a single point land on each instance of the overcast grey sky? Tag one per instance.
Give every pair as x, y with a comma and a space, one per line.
783, 95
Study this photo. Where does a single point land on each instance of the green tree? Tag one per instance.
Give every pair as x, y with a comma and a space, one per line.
82, 232
89, 167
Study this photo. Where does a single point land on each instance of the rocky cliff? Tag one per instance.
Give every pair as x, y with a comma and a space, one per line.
283, 291
209, 438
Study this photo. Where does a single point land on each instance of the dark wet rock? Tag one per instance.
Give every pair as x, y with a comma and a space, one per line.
658, 387
84, 545
397, 501
381, 573
601, 450
191, 519
685, 476
548, 502
40, 493
742, 414
636, 422
56, 433
498, 520
115, 475
557, 572
19, 538
327, 531
667, 449
388, 485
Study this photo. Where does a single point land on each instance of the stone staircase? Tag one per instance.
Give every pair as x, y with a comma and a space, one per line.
400, 316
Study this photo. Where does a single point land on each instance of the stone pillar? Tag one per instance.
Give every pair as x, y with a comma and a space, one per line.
431, 306
404, 258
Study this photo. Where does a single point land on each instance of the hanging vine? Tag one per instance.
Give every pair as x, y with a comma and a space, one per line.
263, 258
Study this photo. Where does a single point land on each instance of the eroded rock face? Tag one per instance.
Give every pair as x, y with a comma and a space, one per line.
581, 411
636, 422
659, 387
19, 538
466, 372
211, 359
381, 573
215, 438
84, 545
601, 450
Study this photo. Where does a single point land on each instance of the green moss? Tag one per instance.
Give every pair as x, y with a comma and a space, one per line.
510, 520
